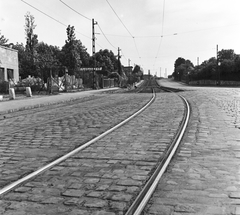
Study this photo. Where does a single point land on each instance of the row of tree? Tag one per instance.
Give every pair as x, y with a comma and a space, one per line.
226, 66
39, 59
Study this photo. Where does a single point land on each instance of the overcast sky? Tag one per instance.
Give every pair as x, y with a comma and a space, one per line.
151, 33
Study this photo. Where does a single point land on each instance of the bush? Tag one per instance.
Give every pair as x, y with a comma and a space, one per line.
34, 83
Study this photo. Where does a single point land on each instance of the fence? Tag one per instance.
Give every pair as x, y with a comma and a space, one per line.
214, 83
64, 83
106, 83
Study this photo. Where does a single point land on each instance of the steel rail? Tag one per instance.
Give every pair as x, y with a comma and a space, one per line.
142, 199
17, 183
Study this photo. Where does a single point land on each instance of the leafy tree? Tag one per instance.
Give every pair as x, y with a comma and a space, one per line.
237, 64
47, 60
179, 61
71, 57
3, 40
107, 60
182, 69
137, 73
136, 69
31, 43
226, 54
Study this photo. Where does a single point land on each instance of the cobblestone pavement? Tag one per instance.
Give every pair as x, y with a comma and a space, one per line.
203, 178
63, 130
105, 177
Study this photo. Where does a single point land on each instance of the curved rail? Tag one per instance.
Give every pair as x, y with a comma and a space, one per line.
142, 199
17, 183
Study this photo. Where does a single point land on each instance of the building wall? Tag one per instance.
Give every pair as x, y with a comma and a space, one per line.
8, 64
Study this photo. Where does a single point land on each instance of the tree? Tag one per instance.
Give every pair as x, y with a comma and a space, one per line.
31, 42
47, 60
71, 57
179, 61
226, 54
107, 60
3, 40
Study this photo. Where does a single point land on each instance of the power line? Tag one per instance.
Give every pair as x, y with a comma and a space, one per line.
161, 32
120, 19
125, 28
51, 17
44, 13
136, 48
106, 37
87, 19
74, 10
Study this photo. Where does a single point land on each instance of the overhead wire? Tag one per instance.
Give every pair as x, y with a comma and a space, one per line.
125, 28
105, 36
163, 15
52, 17
75, 10
119, 19
90, 20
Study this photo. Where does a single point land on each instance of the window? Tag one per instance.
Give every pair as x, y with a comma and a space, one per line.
10, 74
1, 74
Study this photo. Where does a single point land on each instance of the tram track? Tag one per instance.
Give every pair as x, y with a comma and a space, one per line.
76, 155
142, 199
71, 153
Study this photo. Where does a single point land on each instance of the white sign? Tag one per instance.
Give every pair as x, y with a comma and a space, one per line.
91, 69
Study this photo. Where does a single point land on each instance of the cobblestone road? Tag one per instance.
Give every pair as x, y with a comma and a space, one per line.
105, 177
62, 131
203, 178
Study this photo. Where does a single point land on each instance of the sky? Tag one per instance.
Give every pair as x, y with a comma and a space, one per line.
149, 33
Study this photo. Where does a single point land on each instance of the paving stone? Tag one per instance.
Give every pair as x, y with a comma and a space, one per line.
73, 201
95, 203
129, 182
209, 177
96, 184
73, 193
102, 213
234, 195
121, 197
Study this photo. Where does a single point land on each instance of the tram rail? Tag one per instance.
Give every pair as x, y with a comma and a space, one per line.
141, 200
76, 150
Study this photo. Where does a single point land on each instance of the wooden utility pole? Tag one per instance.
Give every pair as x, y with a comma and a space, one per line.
93, 51
218, 71
119, 64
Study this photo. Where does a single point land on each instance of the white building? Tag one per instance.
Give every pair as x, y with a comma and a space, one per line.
8, 64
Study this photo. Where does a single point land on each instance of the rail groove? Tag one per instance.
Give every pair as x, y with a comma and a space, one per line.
142, 199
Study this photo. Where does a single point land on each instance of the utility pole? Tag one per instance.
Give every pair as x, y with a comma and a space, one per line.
160, 72
129, 62
119, 64
218, 72
93, 51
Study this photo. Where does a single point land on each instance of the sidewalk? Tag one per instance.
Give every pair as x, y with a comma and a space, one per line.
43, 100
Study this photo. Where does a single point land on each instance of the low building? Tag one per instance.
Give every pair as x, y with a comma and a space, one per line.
9, 70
